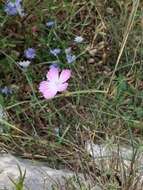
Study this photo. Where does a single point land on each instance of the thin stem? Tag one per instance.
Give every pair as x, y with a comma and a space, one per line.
67, 94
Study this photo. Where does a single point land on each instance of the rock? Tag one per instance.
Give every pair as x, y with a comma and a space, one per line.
91, 61
100, 152
38, 176
126, 157
96, 188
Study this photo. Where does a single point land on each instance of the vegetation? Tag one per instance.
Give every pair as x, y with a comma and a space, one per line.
104, 100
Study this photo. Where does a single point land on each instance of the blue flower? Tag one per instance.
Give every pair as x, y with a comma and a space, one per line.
55, 51
30, 53
14, 8
10, 9
55, 65
6, 90
24, 64
78, 39
50, 24
70, 58
19, 7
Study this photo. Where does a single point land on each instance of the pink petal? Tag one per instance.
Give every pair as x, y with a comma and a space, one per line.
43, 86
65, 75
53, 74
49, 94
62, 87
47, 90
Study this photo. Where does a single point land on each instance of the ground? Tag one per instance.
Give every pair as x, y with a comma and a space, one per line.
104, 99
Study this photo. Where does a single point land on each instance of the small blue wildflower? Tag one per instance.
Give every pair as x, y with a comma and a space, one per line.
50, 24
24, 64
70, 58
30, 53
55, 51
19, 7
14, 8
10, 8
78, 39
54, 65
6, 91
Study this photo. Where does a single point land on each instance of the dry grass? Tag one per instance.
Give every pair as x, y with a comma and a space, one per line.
105, 99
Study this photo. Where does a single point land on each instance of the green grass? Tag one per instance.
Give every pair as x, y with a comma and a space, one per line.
104, 101
19, 184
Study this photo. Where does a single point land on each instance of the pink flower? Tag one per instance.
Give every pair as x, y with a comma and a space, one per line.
56, 82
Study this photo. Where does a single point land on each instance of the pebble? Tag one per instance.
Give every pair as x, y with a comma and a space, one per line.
91, 61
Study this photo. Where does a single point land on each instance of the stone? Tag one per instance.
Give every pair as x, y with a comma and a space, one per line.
107, 155
91, 61
38, 176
